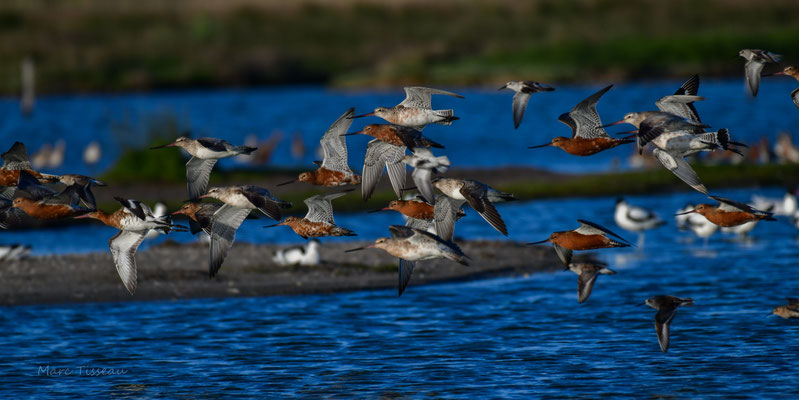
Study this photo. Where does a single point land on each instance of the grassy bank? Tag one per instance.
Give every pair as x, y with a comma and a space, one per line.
96, 45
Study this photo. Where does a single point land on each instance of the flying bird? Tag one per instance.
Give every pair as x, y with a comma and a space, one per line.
416, 111
424, 164
588, 236
730, 212
667, 307
379, 155
755, 61
318, 222
480, 197
523, 91
586, 276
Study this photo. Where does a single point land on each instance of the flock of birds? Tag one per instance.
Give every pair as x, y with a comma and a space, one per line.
674, 131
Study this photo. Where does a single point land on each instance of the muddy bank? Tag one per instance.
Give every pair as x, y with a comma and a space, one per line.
172, 271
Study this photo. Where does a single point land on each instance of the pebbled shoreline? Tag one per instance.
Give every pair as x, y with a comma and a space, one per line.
178, 271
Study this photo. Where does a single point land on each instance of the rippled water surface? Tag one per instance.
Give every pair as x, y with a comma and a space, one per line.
523, 337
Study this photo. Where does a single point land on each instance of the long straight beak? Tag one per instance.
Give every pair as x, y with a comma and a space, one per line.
503, 87
770, 314
272, 226
352, 133
371, 114
177, 212
687, 212
634, 131
621, 121
355, 249
286, 183
543, 241
161, 147
775, 73
540, 145
205, 196
81, 216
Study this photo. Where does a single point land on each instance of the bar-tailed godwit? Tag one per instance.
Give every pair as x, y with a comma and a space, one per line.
755, 61
730, 213
588, 236
379, 155
479, 196
397, 135
318, 222
415, 111
523, 91
16, 160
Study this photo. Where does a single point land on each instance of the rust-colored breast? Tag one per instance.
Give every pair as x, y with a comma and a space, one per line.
587, 147
47, 211
729, 218
417, 209
578, 241
330, 178
388, 136
313, 229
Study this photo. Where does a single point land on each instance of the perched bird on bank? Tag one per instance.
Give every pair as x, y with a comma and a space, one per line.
793, 72
730, 213
588, 136
205, 153
415, 111
424, 164
588, 236
480, 197
523, 91
755, 61
411, 245
790, 310
318, 222
586, 276
16, 160
134, 219
334, 170
667, 307
307, 255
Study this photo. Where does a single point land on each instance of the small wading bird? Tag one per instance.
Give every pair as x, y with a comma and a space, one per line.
479, 196
16, 160
200, 215
299, 255
730, 213
411, 245
415, 111
424, 164
334, 170
205, 152
134, 219
793, 72
41, 202
790, 310
667, 307
318, 222
588, 236
523, 91
586, 276
755, 61
588, 135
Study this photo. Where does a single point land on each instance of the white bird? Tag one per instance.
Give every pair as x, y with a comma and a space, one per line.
14, 252
635, 219
92, 153
307, 256
696, 222
785, 206
425, 163
158, 211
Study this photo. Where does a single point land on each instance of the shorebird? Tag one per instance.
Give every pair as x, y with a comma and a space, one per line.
41, 202
588, 236
588, 136
415, 111
134, 219
318, 222
205, 152
334, 170
92, 153
380, 154
397, 135
634, 218
307, 255
411, 245
83, 186
790, 310
730, 213
653, 124
755, 61
16, 160
696, 223
667, 307
249, 197
200, 215
793, 72
424, 164
479, 196
787, 205
420, 214
586, 276
681, 103
14, 252
523, 91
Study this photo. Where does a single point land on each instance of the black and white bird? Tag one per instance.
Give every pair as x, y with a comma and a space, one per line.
523, 91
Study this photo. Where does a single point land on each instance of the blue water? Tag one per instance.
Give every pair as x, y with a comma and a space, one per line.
483, 137
523, 337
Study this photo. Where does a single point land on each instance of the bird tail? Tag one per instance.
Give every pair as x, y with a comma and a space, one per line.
430, 143
245, 149
447, 115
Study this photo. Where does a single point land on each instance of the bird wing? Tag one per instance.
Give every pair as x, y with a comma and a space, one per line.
224, 224
591, 228
198, 171
213, 144
16, 158
378, 155
263, 202
123, 248
563, 253
586, 122
732, 205
419, 97
585, 284
421, 177
30, 185
445, 214
320, 208
681, 103
418, 223
679, 167
662, 324
753, 70
135, 207
334, 144
475, 195
795, 97
405, 272
520, 100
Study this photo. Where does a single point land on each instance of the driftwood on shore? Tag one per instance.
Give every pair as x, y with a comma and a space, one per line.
173, 271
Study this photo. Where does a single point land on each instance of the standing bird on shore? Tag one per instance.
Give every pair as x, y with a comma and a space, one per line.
667, 307
16, 160
134, 219
635, 219
586, 277
479, 196
730, 213
790, 310
793, 72
205, 153
588, 135
588, 236
424, 164
379, 155
411, 245
307, 255
318, 222
755, 61
415, 111
523, 91
334, 170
